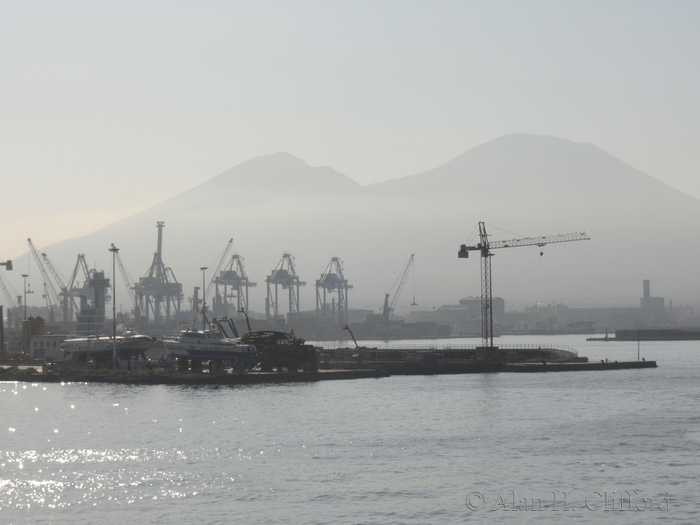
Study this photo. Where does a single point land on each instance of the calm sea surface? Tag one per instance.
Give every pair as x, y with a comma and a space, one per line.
594, 447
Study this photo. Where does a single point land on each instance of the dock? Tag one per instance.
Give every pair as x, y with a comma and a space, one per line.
261, 378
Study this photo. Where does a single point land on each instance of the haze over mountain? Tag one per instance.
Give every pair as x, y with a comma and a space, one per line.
525, 184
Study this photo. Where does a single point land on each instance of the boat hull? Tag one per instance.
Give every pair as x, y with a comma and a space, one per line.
99, 347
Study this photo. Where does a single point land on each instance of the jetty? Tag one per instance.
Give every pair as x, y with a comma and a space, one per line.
161, 377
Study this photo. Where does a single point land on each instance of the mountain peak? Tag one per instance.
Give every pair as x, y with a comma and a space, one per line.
520, 163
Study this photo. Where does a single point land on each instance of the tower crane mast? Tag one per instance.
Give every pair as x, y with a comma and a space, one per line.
485, 247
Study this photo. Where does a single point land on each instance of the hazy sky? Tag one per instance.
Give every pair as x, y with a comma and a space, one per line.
108, 107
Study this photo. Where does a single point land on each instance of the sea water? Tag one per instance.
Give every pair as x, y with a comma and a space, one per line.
584, 447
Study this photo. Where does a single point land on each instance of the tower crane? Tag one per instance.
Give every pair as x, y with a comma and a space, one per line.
485, 247
401, 280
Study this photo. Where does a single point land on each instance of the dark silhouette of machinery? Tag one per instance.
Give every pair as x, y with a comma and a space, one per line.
396, 289
485, 247
231, 282
284, 275
159, 289
332, 282
50, 294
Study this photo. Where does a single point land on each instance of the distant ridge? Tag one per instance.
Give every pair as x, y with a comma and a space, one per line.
521, 163
282, 172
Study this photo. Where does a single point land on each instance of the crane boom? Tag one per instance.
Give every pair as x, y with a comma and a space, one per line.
485, 247
8, 295
127, 280
50, 286
399, 289
540, 241
216, 272
64, 294
388, 308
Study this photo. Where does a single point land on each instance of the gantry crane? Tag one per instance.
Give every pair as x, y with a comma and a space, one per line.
333, 282
398, 286
80, 265
159, 287
289, 280
232, 279
485, 248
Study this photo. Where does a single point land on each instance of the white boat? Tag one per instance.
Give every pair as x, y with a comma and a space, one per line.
129, 345
207, 345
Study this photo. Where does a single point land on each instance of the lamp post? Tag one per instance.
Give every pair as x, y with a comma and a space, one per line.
204, 298
114, 251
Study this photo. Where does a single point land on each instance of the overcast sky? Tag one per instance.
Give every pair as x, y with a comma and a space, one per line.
108, 107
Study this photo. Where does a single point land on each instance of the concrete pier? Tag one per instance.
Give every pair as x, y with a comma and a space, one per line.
256, 378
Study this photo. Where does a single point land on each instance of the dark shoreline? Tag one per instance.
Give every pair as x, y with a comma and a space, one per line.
311, 377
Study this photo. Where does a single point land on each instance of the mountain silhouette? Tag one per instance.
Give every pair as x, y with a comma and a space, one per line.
520, 185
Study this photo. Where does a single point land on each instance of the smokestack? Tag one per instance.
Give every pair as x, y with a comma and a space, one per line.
646, 289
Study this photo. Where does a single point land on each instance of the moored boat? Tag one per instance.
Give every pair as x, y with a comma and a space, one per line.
130, 345
210, 345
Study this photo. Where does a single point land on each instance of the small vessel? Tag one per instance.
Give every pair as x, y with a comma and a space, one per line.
130, 345
208, 345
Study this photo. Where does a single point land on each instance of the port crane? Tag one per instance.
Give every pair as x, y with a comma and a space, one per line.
10, 296
129, 282
49, 290
216, 272
65, 295
333, 282
235, 284
288, 279
159, 287
80, 265
485, 247
398, 285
